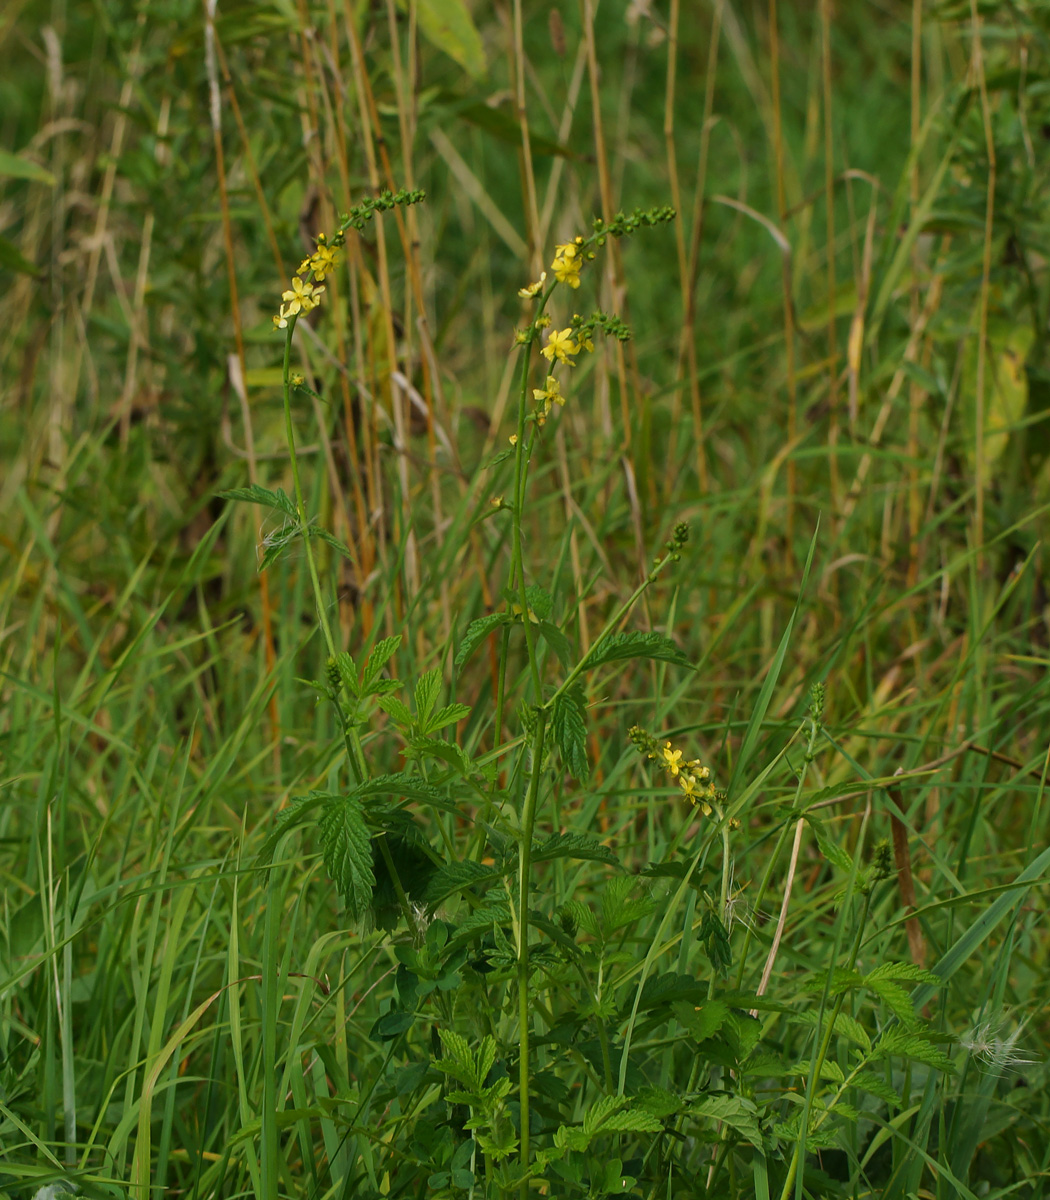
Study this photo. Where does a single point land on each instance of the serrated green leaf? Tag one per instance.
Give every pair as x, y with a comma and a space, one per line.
569, 726
347, 847
484, 1060
456, 877
845, 1026
400, 783
447, 752
476, 632
331, 540
735, 1111
558, 642
631, 1120
702, 1021
906, 1043
573, 845
670, 988
381, 654
395, 708
875, 1085
448, 714
427, 689
347, 668
539, 601
278, 499
895, 997
617, 647
832, 852
458, 1061
909, 972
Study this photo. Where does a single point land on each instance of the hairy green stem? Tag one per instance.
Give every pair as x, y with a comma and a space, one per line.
300, 504
528, 821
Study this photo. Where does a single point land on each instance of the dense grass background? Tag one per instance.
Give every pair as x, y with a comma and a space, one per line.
842, 340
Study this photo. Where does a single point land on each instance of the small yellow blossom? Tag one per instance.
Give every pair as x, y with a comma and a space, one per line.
560, 345
549, 394
513, 439
323, 261
301, 297
533, 289
567, 263
695, 793
496, 501
543, 322
280, 320
672, 758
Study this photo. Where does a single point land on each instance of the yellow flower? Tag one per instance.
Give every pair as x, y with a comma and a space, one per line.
533, 289
560, 345
280, 320
672, 758
301, 297
323, 261
567, 263
549, 394
694, 793
513, 439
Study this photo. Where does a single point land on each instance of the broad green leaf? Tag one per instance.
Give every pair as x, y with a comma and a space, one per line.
428, 687
457, 877
411, 787
381, 654
347, 669
735, 1111
256, 494
573, 845
14, 166
539, 601
829, 849
458, 1060
558, 642
1005, 390
476, 633
905, 1043
391, 1025
347, 847
617, 647
702, 1021
331, 540
447, 24
448, 714
569, 726
395, 708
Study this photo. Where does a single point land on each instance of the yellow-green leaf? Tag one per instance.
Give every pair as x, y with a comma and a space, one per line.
1005, 389
448, 25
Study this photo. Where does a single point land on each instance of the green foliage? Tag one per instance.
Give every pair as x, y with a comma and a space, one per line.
468, 910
